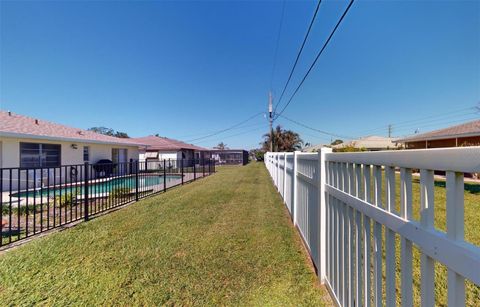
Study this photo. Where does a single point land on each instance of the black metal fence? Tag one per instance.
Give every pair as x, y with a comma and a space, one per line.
34, 200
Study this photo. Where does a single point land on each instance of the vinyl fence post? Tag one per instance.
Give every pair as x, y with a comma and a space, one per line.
137, 163
295, 166
278, 172
323, 212
164, 175
85, 191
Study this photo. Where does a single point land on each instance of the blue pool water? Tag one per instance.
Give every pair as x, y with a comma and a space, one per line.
101, 187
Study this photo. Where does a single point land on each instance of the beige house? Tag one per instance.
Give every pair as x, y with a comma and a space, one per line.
370, 143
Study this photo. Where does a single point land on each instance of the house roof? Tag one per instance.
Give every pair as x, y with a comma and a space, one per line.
21, 126
163, 143
314, 148
369, 142
463, 130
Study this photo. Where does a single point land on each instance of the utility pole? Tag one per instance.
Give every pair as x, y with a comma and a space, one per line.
390, 130
270, 119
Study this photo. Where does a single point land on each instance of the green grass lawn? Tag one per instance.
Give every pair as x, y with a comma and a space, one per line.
223, 240
472, 235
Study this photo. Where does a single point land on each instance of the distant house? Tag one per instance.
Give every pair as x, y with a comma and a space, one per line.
369, 143
28, 142
467, 134
230, 156
314, 148
161, 148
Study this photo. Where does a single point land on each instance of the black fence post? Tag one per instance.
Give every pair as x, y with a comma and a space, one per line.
137, 165
164, 176
182, 169
85, 191
203, 167
194, 170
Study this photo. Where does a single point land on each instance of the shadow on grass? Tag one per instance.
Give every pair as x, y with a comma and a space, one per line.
472, 188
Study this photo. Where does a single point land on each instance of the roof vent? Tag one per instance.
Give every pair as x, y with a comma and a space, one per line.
80, 132
36, 121
9, 113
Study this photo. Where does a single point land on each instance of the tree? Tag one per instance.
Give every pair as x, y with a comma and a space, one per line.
221, 146
122, 135
103, 130
109, 132
283, 140
257, 154
336, 142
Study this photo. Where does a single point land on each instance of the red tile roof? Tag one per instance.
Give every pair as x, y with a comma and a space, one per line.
20, 126
163, 143
462, 130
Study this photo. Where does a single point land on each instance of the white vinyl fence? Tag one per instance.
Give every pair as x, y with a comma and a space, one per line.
335, 200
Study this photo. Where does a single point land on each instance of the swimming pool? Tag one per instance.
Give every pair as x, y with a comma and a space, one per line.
100, 187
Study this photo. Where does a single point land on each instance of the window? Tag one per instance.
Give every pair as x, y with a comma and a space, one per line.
39, 155
86, 153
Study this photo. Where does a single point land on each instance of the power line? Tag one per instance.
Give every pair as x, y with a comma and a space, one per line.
320, 137
241, 127
458, 117
234, 135
315, 129
226, 129
211, 132
318, 56
278, 41
458, 121
413, 122
299, 54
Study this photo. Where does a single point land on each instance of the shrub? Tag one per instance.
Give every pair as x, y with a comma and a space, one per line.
68, 199
348, 149
259, 155
23, 209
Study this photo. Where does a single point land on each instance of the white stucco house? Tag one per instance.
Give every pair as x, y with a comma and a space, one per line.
28, 142
159, 148
38, 149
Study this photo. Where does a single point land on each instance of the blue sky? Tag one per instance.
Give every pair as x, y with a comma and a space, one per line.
186, 69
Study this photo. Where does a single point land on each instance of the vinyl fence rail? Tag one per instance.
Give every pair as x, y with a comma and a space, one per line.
35, 200
335, 201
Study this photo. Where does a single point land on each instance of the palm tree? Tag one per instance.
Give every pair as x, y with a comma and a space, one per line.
283, 140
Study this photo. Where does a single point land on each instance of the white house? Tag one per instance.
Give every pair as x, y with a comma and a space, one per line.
30, 143
161, 148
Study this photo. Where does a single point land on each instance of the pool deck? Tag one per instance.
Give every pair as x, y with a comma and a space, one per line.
16, 201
